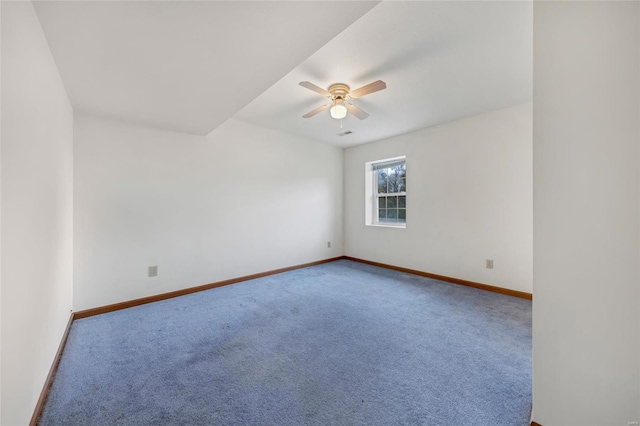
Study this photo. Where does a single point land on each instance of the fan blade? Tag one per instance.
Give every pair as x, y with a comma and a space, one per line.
356, 111
369, 88
316, 111
315, 88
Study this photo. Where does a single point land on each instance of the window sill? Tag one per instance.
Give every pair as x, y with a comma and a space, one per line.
388, 225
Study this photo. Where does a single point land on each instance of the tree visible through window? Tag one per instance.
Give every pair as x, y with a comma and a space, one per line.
390, 191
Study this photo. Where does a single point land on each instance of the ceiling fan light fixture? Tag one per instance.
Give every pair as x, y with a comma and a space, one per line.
338, 110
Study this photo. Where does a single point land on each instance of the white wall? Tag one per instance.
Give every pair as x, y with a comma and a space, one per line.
242, 200
586, 216
469, 198
37, 197
0, 216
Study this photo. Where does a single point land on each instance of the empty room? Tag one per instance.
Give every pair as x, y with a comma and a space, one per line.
320, 213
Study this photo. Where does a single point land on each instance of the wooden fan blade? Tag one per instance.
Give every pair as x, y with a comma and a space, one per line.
369, 88
315, 88
316, 111
356, 111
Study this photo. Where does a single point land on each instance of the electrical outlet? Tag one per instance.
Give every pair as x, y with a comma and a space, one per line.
328, 244
153, 271
489, 263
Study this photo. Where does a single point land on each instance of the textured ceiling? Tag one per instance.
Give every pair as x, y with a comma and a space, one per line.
180, 65
442, 61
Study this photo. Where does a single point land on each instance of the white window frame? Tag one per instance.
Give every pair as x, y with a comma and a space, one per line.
371, 195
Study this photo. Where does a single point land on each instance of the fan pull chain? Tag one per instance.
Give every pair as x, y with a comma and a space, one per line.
341, 123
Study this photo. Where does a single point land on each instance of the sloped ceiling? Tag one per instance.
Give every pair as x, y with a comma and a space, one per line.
442, 61
189, 66
182, 65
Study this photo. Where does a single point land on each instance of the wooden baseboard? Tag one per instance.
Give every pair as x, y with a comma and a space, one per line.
150, 299
535, 424
481, 286
52, 372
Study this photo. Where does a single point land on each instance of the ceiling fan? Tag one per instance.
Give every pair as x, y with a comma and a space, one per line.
340, 94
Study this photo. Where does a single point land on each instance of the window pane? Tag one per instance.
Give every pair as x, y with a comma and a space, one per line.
392, 202
382, 202
382, 181
392, 215
402, 202
393, 183
382, 214
402, 171
402, 215
402, 187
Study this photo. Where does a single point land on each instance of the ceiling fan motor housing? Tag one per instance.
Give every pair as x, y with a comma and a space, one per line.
339, 91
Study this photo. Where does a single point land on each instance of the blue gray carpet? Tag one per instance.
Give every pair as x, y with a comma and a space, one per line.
336, 344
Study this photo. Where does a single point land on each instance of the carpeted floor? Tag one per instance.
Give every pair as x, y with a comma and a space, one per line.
336, 344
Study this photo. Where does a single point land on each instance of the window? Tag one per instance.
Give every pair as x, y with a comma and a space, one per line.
387, 192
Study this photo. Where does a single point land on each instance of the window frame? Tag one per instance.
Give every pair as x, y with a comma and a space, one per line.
372, 196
